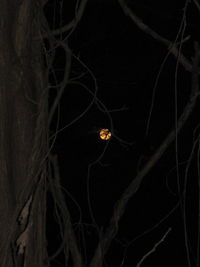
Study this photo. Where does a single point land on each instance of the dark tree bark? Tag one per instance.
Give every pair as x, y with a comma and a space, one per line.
23, 135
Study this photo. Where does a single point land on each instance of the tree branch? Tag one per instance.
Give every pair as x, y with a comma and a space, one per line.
197, 5
153, 249
133, 187
73, 23
145, 28
65, 79
69, 238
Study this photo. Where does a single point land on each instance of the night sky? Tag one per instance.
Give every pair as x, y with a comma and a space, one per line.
127, 63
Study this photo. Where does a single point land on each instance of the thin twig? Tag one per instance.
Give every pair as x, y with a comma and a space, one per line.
72, 24
65, 79
153, 249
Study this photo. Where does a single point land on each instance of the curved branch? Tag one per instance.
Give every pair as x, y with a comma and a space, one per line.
197, 5
139, 264
73, 23
133, 187
145, 28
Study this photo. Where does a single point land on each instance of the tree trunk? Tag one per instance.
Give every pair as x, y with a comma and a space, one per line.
23, 135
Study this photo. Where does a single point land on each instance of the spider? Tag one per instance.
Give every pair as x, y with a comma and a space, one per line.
104, 134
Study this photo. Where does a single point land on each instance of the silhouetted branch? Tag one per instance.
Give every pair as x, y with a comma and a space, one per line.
153, 249
172, 47
65, 79
72, 24
197, 4
69, 239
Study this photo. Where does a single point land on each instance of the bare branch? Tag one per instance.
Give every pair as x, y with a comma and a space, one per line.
65, 79
69, 238
120, 205
145, 28
197, 4
153, 249
72, 24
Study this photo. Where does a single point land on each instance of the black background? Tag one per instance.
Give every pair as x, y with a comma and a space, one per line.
125, 62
